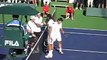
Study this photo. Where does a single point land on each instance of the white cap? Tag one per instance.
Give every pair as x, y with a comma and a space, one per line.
32, 17
39, 13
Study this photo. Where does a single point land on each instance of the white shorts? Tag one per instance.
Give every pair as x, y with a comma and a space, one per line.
54, 38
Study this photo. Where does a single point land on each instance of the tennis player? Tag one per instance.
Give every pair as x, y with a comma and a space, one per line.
55, 29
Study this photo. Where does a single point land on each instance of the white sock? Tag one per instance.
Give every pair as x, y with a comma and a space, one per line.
51, 51
60, 49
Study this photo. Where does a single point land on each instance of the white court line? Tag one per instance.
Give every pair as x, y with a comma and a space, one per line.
85, 29
85, 51
86, 33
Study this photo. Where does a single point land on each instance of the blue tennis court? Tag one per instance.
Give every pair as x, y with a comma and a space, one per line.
78, 44
82, 44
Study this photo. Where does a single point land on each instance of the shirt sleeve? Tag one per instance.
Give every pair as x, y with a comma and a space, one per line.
50, 23
60, 25
39, 21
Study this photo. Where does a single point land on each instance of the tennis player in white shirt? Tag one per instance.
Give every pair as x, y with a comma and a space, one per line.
55, 29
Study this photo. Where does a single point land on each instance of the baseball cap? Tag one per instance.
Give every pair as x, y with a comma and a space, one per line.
32, 17
39, 13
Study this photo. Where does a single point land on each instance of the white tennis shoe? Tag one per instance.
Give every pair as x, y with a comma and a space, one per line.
61, 52
49, 56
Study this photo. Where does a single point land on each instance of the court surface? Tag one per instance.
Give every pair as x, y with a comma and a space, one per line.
79, 44
82, 44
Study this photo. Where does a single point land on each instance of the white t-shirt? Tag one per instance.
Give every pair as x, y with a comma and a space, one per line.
55, 29
50, 22
38, 20
33, 27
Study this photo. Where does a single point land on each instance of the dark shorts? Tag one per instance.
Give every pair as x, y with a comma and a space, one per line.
80, 1
33, 40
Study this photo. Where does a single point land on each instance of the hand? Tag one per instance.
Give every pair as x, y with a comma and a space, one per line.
62, 31
44, 23
38, 25
33, 35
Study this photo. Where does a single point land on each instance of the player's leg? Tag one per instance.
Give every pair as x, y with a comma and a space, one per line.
99, 3
102, 3
60, 47
50, 48
91, 3
12, 1
81, 4
72, 16
16, 1
59, 43
50, 53
88, 2
77, 4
